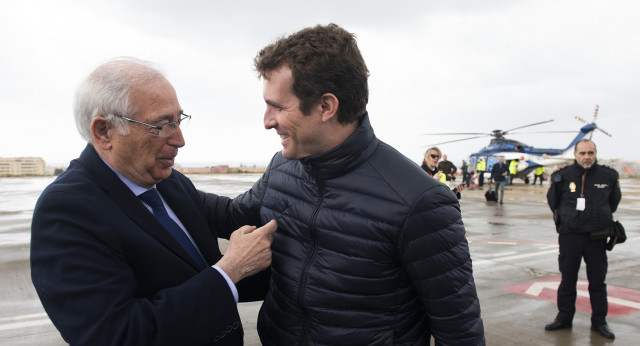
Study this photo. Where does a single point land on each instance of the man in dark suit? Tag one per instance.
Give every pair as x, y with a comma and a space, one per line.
107, 263
498, 173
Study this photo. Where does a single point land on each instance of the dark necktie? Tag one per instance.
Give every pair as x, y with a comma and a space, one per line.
152, 198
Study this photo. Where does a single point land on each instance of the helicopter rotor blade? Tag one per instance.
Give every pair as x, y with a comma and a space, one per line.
581, 120
519, 133
595, 116
456, 133
605, 132
456, 140
515, 128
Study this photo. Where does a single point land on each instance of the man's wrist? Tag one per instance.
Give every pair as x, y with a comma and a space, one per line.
226, 277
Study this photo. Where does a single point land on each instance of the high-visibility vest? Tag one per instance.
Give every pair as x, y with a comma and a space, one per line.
513, 167
481, 166
539, 170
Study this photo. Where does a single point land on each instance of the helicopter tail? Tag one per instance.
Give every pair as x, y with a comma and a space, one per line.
584, 131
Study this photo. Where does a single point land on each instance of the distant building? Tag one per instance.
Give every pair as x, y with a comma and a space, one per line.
18, 166
220, 169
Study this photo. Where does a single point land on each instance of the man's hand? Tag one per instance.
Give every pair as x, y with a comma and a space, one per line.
248, 252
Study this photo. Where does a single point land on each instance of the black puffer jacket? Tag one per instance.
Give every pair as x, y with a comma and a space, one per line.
369, 250
601, 192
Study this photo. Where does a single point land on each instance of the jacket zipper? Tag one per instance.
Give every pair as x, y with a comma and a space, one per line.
311, 257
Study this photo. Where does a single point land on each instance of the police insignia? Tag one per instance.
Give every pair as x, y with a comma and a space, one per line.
572, 186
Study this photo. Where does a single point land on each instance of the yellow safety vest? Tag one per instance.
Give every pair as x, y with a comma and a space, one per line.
481, 166
513, 167
539, 170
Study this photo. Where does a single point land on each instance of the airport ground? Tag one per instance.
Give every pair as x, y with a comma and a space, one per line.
514, 250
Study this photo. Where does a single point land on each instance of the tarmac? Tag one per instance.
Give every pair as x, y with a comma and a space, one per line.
514, 250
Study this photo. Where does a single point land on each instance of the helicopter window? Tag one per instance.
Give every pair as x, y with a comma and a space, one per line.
518, 148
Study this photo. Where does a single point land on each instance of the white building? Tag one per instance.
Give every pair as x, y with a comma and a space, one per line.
17, 166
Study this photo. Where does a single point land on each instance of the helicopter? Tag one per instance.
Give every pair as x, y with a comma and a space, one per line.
529, 158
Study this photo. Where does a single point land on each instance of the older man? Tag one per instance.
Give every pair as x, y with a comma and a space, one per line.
370, 250
124, 249
583, 197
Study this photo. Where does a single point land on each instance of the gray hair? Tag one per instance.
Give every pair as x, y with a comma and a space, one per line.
107, 91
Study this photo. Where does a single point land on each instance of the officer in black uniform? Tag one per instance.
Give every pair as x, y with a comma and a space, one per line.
583, 197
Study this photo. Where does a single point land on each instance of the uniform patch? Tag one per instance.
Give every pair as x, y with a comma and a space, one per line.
601, 186
572, 186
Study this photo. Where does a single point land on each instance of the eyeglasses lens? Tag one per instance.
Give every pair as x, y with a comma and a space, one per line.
170, 128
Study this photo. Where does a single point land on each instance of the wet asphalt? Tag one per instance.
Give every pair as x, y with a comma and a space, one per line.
514, 250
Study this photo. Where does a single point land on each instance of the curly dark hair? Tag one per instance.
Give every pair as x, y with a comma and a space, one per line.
323, 59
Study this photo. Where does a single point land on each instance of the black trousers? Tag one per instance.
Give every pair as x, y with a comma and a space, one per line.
536, 177
574, 247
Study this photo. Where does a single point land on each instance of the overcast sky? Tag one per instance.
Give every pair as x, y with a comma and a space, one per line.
435, 66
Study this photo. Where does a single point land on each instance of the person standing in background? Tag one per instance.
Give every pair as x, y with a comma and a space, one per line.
499, 172
481, 167
513, 169
538, 174
447, 168
430, 164
583, 197
466, 175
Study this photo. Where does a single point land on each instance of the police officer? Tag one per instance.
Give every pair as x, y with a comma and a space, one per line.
583, 197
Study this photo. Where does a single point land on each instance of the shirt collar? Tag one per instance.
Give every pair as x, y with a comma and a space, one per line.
135, 188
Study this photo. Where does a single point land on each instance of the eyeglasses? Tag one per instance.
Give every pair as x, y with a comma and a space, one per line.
164, 130
434, 156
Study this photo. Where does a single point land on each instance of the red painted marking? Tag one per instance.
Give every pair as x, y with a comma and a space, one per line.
622, 301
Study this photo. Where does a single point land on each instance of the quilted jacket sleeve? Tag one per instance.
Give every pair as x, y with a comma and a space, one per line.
227, 214
436, 254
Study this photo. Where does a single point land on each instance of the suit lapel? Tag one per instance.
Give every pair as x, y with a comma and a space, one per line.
124, 198
183, 203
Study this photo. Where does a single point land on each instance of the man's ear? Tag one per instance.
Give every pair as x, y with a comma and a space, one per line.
100, 130
329, 104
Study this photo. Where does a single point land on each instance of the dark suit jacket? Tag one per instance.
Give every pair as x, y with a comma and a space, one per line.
497, 171
108, 273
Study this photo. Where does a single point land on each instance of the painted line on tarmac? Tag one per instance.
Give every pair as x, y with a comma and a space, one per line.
33, 320
503, 242
622, 301
498, 255
556, 246
514, 257
23, 317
